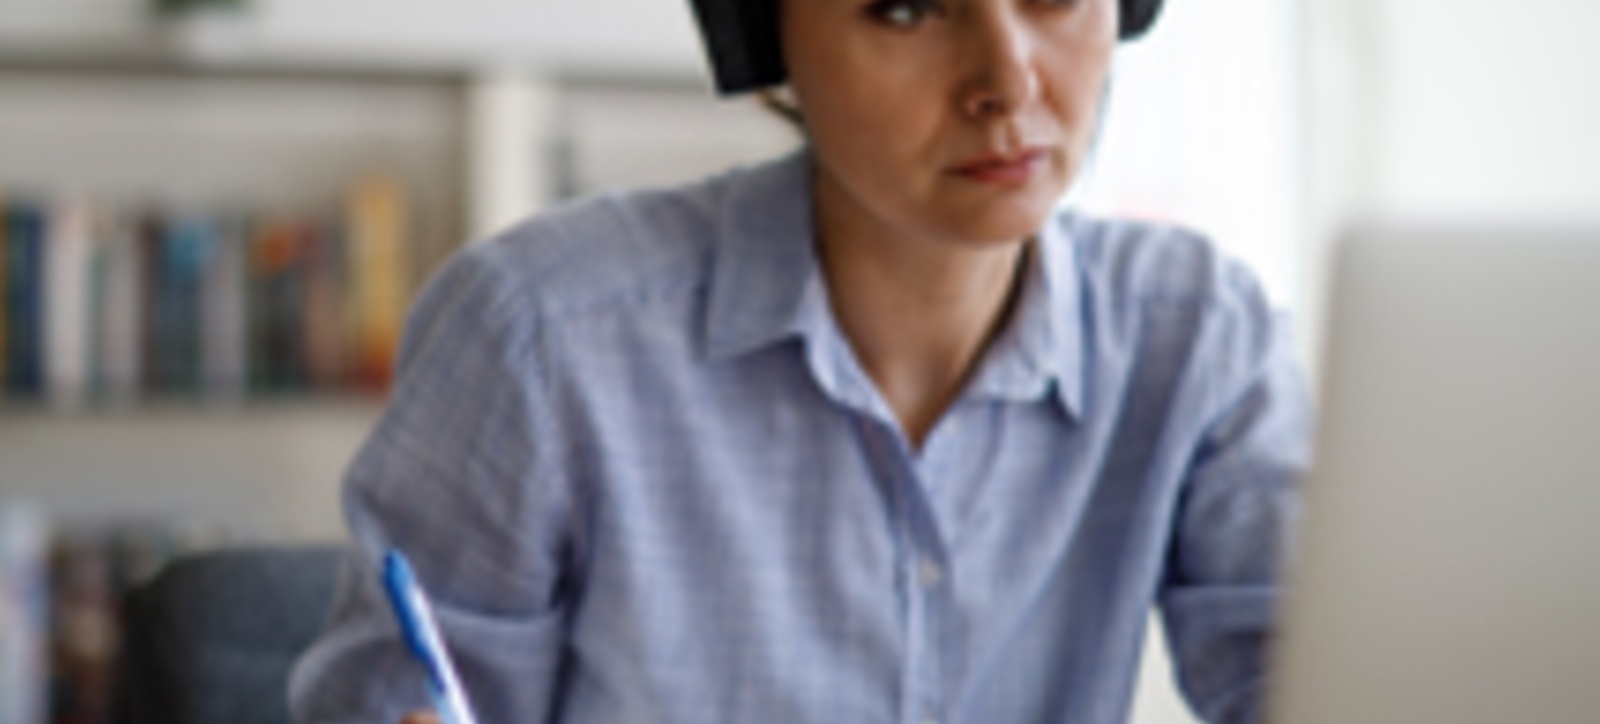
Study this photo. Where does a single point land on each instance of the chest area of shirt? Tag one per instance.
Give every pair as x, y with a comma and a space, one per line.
797, 490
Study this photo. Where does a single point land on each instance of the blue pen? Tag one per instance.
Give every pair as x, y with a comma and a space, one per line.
422, 637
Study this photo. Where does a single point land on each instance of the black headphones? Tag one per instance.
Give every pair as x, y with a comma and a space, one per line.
741, 36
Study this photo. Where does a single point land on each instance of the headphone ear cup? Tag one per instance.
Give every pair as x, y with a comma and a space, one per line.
743, 43
1137, 17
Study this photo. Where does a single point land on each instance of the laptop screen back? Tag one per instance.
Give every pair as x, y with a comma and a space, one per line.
1449, 570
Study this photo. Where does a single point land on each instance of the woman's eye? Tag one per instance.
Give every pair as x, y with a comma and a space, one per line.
901, 13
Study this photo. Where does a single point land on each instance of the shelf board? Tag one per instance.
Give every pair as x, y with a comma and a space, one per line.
266, 471
154, 48
200, 411
155, 52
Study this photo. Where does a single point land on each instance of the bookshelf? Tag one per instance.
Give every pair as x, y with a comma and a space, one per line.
285, 127
479, 115
193, 143
135, 121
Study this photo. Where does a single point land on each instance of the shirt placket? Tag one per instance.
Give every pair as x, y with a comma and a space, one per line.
924, 579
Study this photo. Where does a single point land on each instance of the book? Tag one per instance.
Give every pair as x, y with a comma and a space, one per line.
379, 249
149, 232
277, 339
24, 614
93, 567
4, 294
224, 310
68, 257
99, 305
326, 326
118, 314
182, 247
24, 222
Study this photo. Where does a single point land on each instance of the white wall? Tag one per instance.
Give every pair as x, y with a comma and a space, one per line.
1489, 107
1454, 109
1203, 130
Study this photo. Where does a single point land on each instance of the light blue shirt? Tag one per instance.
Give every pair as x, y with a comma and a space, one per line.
646, 479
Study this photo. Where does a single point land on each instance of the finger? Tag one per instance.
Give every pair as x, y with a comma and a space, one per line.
421, 717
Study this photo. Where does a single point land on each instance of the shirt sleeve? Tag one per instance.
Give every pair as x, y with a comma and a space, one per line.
459, 475
1239, 509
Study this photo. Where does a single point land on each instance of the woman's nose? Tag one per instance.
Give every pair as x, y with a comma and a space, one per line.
1001, 76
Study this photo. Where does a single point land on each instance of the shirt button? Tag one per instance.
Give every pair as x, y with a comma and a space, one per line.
930, 574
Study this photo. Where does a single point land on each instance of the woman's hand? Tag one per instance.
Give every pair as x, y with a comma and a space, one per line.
422, 717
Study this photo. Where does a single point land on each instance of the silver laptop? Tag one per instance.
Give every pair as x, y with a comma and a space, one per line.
1449, 567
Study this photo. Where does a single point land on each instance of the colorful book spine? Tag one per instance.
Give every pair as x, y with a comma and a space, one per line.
277, 296
182, 248
224, 310
24, 300
98, 306
68, 257
378, 228
4, 296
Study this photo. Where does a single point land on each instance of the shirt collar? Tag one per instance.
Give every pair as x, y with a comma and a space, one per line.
766, 287
764, 259
1041, 350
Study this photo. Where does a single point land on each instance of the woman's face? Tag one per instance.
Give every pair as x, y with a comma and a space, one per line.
957, 120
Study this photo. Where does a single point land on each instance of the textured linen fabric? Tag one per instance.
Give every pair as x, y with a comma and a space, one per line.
645, 479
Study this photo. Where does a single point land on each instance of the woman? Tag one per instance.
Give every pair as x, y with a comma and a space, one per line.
872, 433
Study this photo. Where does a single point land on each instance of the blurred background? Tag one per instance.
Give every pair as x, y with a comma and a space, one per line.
215, 214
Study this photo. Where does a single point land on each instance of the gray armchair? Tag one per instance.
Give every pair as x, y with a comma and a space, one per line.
212, 638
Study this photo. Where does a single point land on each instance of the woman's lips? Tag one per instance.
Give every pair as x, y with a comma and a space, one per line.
1003, 169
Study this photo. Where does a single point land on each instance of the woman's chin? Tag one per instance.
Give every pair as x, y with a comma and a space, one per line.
996, 221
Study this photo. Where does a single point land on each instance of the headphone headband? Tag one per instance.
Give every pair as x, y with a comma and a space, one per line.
742, 40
